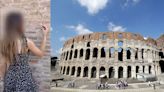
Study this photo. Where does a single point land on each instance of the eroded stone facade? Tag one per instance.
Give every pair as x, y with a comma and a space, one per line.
115, 54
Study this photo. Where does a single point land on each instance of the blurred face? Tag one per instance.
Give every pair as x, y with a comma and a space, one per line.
14, 24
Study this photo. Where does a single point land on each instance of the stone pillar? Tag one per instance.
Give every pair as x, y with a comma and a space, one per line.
70, 71
89, 72
153, 69
91, 54
139, 55
125, 72
84, 54
107, 72
133, 55
107, 53
68, 55
116, 54
124, 55
99, 53
97, 73
140, 69
115, 72
146, 69
133, 71
75, 74
73, 53
82, 72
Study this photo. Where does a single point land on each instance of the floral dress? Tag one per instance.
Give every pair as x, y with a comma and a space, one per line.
18, 77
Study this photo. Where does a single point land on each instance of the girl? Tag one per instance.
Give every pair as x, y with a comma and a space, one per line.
14, 50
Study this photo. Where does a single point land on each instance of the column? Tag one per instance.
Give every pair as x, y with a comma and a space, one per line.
99, 53
124, 55
139, 55
75, 72
125, 72
107, 72
133, 71
153, 69
89, 72
140, 69
82, 72
146, 69
68, 55
73, 53
97, 72
84, 52
133, 55
70, 71
107, 53
91, 54
115, 72
116, 54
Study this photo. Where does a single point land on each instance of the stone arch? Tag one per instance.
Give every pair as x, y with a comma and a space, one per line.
95, 52
75, 53
72, 46
88, 44
93, 72
70, 57
103, 37
102, 70
68, 69
128, 53
103, 52
78, 71
111, 72
81, 53
120, 54
85, 74
64, 70
129, 73
73, 71
120, 72
87, 55
120, 36
161, 65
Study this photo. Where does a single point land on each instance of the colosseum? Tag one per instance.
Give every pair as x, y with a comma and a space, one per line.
115, 54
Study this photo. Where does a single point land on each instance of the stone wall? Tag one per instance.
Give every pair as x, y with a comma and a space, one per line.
36, 12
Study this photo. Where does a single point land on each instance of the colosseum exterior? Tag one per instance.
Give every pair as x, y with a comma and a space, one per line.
115, 54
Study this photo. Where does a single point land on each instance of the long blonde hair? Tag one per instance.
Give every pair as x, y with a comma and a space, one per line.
13, 31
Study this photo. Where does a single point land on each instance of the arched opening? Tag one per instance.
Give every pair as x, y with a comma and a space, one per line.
161, 55
129, 71
61, 69
88, 44
120, 54
120, 72
111, 72
161, 64
111, 52
143, 69
142, 51
104, 37
120, 36
72, 46
95, 52
73, 71
70, 57
93, 72
78, 71
103, 52
68, 70
102, 71
64, 70
75, 53
85, 74
150, 69
128, 53
137, 70
87, 54
81, 53
120, 43
67, 55
136, 54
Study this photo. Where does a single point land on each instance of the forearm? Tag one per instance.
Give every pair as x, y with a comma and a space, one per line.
43, 44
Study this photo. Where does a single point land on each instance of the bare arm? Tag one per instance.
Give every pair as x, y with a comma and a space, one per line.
34, 49
3, 66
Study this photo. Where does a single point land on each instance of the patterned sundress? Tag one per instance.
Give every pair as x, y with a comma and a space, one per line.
18, 77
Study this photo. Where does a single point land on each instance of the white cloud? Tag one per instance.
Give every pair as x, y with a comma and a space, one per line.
80, 29
62, 39
145, 38
59, 51
115, 28
93, 6
128, 2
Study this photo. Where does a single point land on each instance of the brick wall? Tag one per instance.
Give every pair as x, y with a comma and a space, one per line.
35, 12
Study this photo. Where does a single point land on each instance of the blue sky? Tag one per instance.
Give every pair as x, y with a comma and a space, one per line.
75, 17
